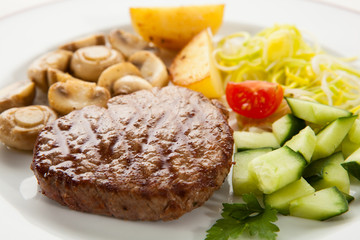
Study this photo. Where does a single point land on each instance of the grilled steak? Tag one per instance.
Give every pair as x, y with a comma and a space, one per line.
152, 155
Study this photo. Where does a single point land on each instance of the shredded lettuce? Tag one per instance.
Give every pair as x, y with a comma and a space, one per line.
281, 54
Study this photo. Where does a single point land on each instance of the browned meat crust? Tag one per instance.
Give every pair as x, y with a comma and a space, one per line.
152, 155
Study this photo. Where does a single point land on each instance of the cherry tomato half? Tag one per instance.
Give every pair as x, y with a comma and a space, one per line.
254, 99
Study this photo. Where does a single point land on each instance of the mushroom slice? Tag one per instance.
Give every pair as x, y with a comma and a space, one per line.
127, 43
55, 75
37, 71
19, 127
88, 63
18, 94
129, 84
151, 68
65, 97
93, 40
115, 72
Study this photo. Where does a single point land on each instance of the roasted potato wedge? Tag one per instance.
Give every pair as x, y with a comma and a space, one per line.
174, 27
195, 69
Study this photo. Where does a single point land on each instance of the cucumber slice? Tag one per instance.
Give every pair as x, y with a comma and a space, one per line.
352, 164
328, 172
329, 138
277, 169
354, 133
315, 112
304, 143
348, 147
348, 197
280, 200
352, 141
286, 127
252, 140
320, 205
242, 181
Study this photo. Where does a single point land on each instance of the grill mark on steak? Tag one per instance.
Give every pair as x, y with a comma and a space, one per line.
151, 155
64, 148
86, 128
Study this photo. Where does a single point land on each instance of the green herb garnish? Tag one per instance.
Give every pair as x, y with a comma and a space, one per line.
245, 219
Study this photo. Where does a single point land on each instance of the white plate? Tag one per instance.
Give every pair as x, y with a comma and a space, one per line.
26, 214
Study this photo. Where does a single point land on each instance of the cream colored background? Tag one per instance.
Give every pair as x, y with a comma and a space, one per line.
8, 7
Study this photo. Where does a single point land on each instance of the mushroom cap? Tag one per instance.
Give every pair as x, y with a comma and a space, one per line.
58, 59
18, 94
19, 127
73, 94
127, 43
92, 40
129, 84
88, 63
152, 68
109, 76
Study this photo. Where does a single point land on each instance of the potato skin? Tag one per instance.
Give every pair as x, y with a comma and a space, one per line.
194, 67
173, 27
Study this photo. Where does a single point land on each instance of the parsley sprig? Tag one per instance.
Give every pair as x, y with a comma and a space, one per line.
245, 219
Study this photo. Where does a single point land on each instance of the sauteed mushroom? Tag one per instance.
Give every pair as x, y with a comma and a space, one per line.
87, 63
129, 84
37, 72
17, 95
19, 127
127, 43
55, 75
151, 68
108, 77
73, 94
97, 39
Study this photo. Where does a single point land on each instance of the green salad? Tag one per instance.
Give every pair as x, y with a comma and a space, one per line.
301, 165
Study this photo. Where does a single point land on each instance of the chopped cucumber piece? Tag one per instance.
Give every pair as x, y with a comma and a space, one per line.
348, 147
330, 138
352, 141
277, 169
250, 140
320, 205
304, 143
328, 172
354, 133
280, 200
242, 181
348, 197
352, 164
315, 112
286, 127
